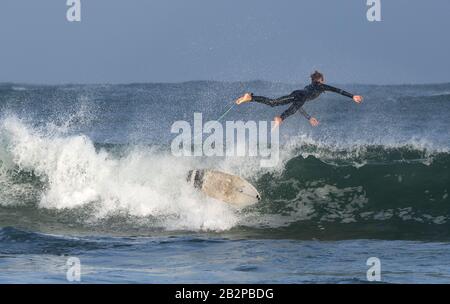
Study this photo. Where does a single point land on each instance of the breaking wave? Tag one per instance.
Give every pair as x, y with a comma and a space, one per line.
53, 181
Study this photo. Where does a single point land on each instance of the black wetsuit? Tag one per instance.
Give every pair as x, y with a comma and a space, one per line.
299, 97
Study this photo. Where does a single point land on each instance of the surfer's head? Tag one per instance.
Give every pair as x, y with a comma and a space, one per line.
317, 77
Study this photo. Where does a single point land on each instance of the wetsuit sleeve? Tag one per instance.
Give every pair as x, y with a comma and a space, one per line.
306, 115
294, 108
336, 90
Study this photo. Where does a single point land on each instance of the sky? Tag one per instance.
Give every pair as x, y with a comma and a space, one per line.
124, 41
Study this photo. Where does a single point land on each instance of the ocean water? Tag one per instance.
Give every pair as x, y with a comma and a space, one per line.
87, 172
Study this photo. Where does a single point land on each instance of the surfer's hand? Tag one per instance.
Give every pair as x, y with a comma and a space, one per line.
314, 122
357, 98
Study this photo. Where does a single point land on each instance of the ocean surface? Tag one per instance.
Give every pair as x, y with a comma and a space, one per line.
87, 172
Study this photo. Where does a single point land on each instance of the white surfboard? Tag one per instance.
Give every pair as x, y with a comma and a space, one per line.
225, 187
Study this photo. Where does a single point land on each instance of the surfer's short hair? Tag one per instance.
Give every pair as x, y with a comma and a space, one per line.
316, 76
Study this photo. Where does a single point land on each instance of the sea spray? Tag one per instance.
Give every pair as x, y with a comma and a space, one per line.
143, 183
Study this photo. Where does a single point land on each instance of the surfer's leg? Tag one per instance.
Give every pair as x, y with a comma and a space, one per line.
274, 102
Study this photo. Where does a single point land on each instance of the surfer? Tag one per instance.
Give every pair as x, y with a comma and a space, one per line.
298, 98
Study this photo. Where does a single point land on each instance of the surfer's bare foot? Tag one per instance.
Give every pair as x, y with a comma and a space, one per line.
357, 98
245, 98
277, 120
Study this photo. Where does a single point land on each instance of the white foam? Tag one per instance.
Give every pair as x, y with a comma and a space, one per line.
149, 183
143, 183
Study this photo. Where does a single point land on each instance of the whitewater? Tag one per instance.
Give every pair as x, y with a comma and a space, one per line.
87, 169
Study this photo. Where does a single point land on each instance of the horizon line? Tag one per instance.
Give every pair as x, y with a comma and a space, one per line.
215, 81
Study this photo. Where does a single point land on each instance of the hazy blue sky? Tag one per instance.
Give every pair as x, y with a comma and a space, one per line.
178, 40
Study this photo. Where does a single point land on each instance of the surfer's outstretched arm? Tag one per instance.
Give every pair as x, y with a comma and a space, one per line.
329, 88
336, 90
